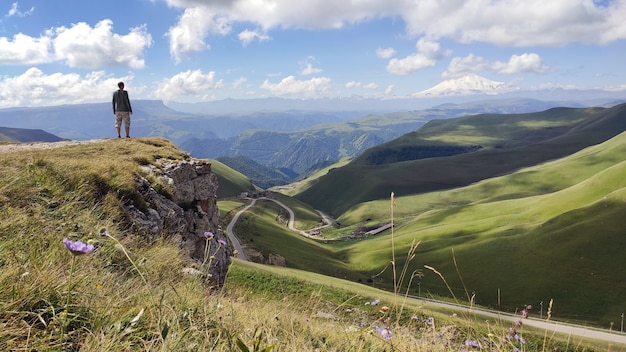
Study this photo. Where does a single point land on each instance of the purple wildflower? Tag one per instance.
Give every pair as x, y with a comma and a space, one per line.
472, 343
221, 242
524, 314
78, 247
375, 302
209, 235
384, 333
429, 321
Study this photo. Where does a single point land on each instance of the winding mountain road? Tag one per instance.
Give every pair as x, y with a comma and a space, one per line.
547, 325
291, 224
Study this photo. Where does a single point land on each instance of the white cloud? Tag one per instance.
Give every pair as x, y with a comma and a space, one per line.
461, 66
385, 53
428, 52
15, 11
353, 84
521, 64
35, 88
310, 70
26, 50
516, 23
248, 36
307, 67
371, 86
239, 82
83, 46
297, 14
192, 27
291, 86
525, 63
389, 89
78, 46
188, 83
499, 22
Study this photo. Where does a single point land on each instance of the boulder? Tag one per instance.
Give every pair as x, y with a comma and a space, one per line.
185, 209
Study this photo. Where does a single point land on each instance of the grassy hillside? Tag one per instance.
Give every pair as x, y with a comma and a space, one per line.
552, 231
507, 143
232, 183
260, 175
130, 292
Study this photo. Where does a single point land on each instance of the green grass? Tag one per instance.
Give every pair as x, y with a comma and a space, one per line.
543, 232
522, 141
148, 304
297, 187
232, 183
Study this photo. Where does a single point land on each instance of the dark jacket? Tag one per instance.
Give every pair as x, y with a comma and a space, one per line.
121, 102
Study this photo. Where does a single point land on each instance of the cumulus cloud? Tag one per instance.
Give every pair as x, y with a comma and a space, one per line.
525, 63
516, 23
248, 36
291, 86
26, 50
83, 46
371, 85
188, 35
353, 84
428, 52
35, 88
78, 46
461, 66
521, 64
499, 22
385, 53
188, 83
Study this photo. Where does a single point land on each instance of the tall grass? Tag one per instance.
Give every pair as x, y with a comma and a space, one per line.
132, 293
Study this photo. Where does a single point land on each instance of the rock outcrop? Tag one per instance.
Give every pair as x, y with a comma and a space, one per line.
185, 208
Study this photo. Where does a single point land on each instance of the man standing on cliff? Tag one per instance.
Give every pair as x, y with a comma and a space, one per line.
122, 110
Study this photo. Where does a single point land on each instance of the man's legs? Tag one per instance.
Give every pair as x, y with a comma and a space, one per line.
118, 123
127, 124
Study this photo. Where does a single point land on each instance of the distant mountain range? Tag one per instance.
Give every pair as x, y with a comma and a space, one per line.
24, 135
302, 150
291, 135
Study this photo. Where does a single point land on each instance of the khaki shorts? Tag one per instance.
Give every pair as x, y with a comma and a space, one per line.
122, 116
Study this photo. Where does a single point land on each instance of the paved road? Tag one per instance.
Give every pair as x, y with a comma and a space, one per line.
291, 224
548, 325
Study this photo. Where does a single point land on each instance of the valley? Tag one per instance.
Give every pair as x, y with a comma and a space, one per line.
494, 237
520, 193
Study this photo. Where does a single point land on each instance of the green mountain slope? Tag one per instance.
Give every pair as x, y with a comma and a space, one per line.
260, 175
500, 144
232, 182
553, 231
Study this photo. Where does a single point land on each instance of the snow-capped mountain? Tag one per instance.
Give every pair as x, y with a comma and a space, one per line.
466, 85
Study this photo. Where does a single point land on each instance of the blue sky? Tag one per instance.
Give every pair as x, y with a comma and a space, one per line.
67, 52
